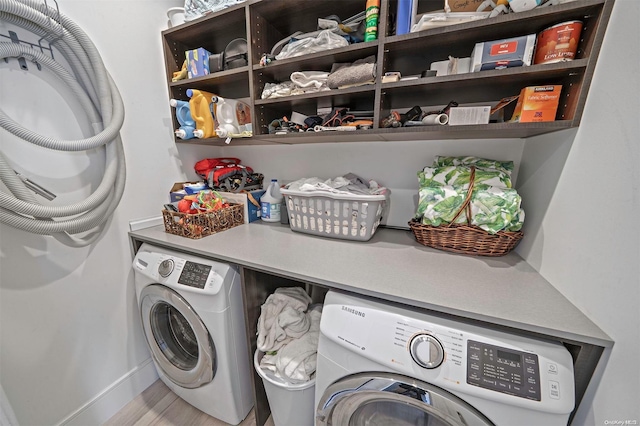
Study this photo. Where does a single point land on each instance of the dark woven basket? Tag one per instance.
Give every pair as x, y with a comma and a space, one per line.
465, 238
202, 224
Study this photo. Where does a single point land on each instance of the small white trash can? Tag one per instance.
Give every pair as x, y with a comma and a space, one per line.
292, 404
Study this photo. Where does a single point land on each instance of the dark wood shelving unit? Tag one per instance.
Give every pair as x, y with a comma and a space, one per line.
265, 22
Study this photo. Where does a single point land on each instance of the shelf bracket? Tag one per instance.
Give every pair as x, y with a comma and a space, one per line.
14, 39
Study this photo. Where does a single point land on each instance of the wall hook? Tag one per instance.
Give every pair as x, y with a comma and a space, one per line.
57, 33
14, 39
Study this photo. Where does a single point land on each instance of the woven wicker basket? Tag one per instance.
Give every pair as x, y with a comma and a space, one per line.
202, 224
465, 238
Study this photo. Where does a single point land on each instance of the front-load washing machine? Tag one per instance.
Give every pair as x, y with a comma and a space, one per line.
383, 365
193, 319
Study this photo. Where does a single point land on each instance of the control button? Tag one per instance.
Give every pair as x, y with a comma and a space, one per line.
553, 368
426, 351
488, 382
166, 268
554, 389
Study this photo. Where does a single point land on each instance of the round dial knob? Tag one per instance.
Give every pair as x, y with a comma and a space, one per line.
426, 351
166, 268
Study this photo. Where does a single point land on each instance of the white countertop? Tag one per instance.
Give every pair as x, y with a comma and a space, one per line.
393, 266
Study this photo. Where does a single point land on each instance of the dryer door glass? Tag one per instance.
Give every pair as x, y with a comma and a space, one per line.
390, 399
174, 336
179, 342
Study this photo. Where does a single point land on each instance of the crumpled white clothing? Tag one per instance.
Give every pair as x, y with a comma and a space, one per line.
277, 90
294, 324
282, 318
347, 184
297, 361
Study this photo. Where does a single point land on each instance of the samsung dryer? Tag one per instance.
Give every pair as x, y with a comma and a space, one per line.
380, 365
193, 319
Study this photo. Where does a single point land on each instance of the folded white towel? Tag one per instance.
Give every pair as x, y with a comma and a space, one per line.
306, 79
274, 332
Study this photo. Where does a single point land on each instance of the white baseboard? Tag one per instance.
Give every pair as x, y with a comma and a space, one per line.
111, 400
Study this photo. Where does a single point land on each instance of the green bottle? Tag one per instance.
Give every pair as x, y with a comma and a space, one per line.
371, 20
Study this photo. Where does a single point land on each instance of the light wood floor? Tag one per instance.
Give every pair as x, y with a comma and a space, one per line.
158, 406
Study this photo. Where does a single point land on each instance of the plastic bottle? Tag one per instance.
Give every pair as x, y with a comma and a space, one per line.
233, 116
270, 202
372, 14
203, 113
404, 16
183, 114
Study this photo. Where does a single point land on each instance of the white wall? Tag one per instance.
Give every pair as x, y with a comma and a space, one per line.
392, 164
581, 189
70, 341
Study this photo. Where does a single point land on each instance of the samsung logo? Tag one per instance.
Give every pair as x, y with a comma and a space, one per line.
353, 311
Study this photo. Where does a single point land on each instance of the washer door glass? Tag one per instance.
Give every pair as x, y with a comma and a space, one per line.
389, 399
179, 341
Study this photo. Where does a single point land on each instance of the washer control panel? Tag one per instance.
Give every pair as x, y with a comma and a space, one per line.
194, 274
504, 370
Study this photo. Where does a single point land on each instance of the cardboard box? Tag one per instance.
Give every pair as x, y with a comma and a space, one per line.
178, 192
460, 116
197, 62
461, 65
251, 211
507, 53
537, 104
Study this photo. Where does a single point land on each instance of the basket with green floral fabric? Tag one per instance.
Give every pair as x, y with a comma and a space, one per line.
467, 206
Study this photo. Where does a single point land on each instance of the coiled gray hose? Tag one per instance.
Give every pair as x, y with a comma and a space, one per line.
90, 82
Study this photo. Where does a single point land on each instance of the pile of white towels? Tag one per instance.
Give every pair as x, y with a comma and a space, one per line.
288, 333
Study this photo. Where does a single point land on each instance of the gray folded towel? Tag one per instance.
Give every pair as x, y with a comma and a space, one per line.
359, 73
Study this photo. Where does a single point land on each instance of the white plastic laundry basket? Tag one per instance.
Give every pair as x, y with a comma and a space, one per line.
346, 216
291, 404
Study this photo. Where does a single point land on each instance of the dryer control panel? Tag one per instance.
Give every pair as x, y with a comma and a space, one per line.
183, 271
